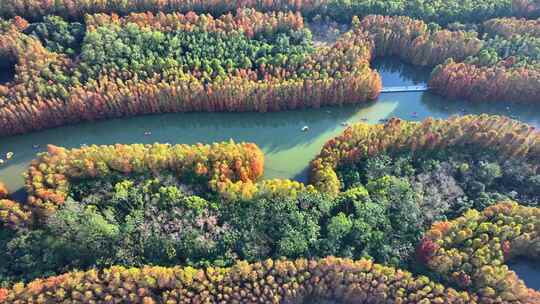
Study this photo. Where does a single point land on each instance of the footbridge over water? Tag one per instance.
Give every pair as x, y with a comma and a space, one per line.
398, 89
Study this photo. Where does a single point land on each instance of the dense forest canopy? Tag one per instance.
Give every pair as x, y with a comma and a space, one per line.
405, 212
443, 12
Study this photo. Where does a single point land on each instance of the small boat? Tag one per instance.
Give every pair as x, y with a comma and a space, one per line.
344, 123
9, 155
1, 161
147, 133
305, 129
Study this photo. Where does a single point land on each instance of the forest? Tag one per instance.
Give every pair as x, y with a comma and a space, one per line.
444, 12
110, 66
202, 206
168, 63
403, 210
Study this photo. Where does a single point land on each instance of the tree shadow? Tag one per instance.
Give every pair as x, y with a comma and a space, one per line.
528, 270
447, 107
7, 71
395, 72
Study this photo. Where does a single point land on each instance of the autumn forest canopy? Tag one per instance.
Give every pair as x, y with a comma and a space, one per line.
404, 212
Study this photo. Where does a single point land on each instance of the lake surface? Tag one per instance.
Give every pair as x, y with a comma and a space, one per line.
287, 149
528, 271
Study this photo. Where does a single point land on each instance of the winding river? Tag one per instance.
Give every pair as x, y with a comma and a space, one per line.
287, 148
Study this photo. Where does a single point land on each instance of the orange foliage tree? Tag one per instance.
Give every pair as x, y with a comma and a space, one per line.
506, 137
508, 27
471, 250
280, 281
48, 178
481, 83
414, 42
48, 92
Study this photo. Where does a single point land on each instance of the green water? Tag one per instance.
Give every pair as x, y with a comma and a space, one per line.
287, 149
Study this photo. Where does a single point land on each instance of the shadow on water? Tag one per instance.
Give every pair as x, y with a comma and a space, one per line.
287, 149
7, 71
528, 271
396, 73
312, 299
442, 107
276, 134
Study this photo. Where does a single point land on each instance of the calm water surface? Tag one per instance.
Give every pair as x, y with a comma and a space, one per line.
287, 149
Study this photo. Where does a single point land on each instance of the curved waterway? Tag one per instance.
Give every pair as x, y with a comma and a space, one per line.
287, 149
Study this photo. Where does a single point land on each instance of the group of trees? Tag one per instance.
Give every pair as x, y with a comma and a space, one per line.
506, 138
508, 27
468, 252
514, 52
503, 64
249, 22
137, 205
375, 189
417, 42
138, 69
250, 61
486, 83
50, 175
506, 68
451, 166
444, 12
268, 281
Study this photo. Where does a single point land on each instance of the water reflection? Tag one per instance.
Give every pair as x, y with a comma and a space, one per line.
528, 271
287, 149
396, 73
440, 107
